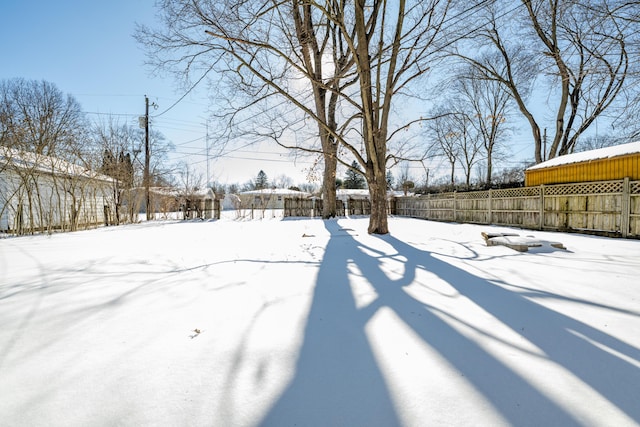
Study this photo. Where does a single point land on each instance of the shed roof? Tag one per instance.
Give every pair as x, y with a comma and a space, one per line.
46, 164
346, 193
352, 192
276, 191
204, 193
586, 156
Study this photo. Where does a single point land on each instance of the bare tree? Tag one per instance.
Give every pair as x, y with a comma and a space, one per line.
489, 105
282, 181
118, 145
578, 49
454, 130
311, 54
161, 174
285, 60
404, 174
445, 135
36, 116
191, 184
190, 179
393, 46
595, 142
469, 142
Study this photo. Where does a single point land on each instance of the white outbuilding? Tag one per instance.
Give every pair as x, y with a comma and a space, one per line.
42, 194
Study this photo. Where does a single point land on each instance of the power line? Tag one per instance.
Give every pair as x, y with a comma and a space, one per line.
267, 160
186, 93
112, 114
183, 143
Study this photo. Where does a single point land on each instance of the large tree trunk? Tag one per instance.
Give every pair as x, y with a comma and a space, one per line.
329, 188
312, 55
378, 223
377, 181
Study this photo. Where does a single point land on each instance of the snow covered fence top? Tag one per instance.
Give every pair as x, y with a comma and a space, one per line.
603, 164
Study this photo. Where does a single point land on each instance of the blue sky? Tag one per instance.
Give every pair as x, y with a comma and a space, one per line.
87, 49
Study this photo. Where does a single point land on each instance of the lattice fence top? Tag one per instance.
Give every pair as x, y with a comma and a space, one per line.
517, 192
441, 195
473, 195
600, 187
584, 188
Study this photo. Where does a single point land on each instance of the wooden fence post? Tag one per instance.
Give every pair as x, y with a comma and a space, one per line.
625, 208
455, 203
490, 207
541, 206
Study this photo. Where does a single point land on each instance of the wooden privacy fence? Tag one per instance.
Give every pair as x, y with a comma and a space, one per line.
605, 207
359, 206
313, 207
308, 207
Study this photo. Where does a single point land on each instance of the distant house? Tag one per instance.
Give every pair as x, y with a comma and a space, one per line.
268, 198
166, 201
604, 164
354, 194
198, 204
41, 193
363, 194
357, 201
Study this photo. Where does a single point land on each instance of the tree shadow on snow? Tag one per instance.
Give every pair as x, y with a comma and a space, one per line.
338, 382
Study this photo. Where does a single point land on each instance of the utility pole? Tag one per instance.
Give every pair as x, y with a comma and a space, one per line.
146, 159
206, 139
544, 140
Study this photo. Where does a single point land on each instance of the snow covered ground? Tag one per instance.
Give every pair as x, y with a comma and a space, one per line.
304, 322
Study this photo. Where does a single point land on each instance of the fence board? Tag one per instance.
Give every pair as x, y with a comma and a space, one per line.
299, 207
359, 206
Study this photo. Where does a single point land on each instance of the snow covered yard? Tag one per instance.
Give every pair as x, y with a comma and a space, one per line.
308, 322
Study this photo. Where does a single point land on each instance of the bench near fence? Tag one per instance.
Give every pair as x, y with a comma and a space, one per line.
605, 207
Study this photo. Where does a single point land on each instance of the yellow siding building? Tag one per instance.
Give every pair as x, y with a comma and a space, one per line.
604, 164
